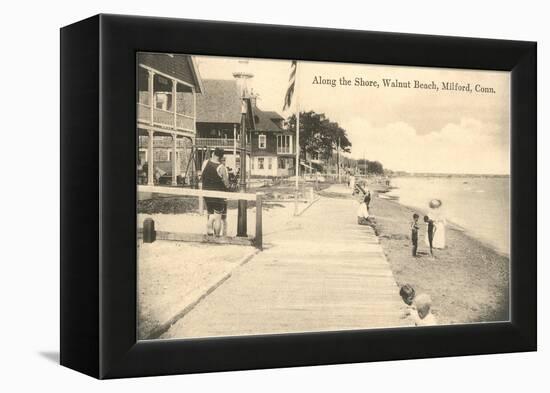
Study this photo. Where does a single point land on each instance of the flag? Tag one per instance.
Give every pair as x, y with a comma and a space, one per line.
291, 84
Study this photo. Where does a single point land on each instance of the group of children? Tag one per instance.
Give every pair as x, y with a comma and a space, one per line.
418, 307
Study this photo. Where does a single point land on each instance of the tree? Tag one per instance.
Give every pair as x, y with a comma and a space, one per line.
374, 167
319, 135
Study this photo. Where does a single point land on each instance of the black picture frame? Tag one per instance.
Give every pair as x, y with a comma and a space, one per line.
98, 192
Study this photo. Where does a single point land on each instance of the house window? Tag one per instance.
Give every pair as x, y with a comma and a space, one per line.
283, 144
252, 164
282, 163
261, 141
260, 163
269, 163
170, 155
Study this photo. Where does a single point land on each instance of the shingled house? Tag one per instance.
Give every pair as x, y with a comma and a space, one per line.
218, 125
219, 122
272, 145
166, 115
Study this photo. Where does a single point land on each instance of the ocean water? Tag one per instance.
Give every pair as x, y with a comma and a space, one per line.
479, 205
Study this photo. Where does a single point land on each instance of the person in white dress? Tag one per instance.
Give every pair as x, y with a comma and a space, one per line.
437, 215
363, 214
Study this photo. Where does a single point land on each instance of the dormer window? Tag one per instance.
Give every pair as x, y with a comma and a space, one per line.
262, 141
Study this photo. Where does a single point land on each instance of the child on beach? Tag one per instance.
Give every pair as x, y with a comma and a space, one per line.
430, 232
423, 315
407, 293
367, 197
414, 234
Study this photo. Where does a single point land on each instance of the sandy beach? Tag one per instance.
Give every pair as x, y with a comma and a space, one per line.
468, 280
174, 275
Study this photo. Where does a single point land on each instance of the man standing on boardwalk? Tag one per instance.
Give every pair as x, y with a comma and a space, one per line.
215, 178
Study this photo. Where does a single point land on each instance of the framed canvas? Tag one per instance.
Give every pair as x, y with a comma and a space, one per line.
240, 196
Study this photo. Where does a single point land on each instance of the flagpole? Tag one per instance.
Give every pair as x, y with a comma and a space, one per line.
297, 95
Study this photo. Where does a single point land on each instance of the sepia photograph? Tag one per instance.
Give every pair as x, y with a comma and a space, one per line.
290, 196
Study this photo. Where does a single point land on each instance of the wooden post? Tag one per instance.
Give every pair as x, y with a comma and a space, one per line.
235, 144
297, 169
193, 164
151, 88
193, 90
174, 103
150, 159
249, 159
149, 233
241, 221
258, 240
174, 161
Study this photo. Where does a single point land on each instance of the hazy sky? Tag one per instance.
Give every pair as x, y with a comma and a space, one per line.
416, 130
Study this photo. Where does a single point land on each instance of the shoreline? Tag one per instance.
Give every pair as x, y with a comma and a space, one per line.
450, 225
469, 279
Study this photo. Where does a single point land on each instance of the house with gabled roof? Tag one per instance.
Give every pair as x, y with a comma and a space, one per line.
219, 121
269, 147
272, 145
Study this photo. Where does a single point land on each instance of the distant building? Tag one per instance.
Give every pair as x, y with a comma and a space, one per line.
273, 151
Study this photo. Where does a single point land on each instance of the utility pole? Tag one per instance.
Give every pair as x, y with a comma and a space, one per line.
241, 220
297, 98
338, 159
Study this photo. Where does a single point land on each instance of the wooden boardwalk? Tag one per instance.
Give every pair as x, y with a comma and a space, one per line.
326, 273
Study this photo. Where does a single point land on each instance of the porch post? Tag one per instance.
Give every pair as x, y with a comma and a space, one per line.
193, 166
150, 160
235, 144
194, 108
174, 160
175, 102
151, 88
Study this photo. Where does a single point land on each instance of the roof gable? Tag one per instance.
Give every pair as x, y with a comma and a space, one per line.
219, 102
264, 120
181, 67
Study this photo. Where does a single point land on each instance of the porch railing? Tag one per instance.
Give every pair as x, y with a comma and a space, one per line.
165, 119
218, 142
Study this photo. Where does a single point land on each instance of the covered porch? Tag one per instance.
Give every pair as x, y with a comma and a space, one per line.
166, 116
